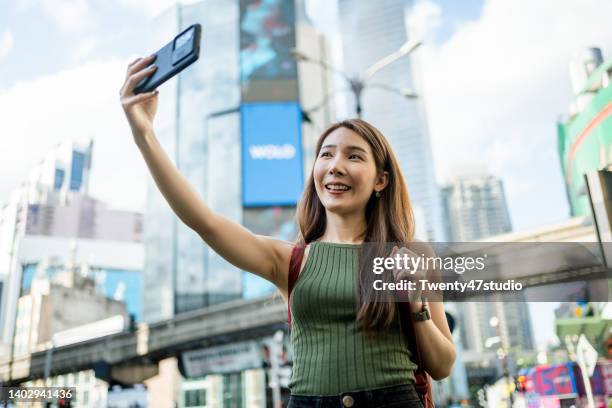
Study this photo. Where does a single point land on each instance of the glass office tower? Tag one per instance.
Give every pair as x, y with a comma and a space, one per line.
370, 31
198, 125
232, 123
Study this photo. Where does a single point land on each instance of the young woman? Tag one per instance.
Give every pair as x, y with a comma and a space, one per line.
348, 351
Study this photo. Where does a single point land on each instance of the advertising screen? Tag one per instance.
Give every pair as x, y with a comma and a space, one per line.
271, 154
267, 36
555, 379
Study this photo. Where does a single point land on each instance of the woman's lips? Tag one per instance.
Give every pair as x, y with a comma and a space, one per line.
337, 188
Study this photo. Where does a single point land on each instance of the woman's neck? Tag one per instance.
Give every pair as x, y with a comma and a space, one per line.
345, 229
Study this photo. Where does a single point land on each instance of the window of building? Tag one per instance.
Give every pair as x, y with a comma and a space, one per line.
195, 398
59, 179
76, 173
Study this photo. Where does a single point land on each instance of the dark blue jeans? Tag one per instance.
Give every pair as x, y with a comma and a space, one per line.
399, 396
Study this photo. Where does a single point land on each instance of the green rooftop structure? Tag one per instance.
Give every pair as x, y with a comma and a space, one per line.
585, 136
595, 328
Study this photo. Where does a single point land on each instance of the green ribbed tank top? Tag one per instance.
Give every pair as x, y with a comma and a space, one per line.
331, 355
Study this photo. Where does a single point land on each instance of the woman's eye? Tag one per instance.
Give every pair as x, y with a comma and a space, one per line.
326, 154
354, 156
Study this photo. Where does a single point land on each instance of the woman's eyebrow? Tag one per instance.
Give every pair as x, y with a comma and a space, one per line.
348, 147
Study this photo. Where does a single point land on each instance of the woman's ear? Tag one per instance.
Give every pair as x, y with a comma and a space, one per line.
382, 179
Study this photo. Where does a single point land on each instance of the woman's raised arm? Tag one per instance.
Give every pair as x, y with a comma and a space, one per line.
264, 256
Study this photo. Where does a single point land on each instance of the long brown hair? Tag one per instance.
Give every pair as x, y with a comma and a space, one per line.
389, 219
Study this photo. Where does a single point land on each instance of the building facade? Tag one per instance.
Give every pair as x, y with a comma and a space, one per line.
61, 173
233, 125
82, 216
585, 135
475, 206
370, 31
49, 216
53, 305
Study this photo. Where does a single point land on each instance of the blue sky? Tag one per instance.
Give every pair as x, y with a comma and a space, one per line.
47, 41
495, 73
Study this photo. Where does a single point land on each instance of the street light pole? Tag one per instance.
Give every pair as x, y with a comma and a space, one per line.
505, 351
358, 83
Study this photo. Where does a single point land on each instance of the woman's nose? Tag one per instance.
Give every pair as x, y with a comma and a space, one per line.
335, 167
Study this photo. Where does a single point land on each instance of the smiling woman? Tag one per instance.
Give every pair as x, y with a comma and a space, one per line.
344, 173
348, 347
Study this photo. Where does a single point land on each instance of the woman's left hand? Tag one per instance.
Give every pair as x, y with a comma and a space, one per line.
412, 275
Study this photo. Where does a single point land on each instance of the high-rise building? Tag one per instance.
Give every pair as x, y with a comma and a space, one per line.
233, 125
475, 209
83, 217
475, 206
63, 170
49, 216
63, 173
370, 31
585, 135
513, 320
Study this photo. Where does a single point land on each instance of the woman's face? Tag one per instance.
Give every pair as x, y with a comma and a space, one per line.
345, 174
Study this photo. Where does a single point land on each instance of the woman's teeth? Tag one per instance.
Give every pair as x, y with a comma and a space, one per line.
337, 187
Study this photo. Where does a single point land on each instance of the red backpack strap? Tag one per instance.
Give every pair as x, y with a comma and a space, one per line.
297, 254
422, 382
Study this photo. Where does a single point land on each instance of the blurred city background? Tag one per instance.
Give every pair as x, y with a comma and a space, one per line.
499, 112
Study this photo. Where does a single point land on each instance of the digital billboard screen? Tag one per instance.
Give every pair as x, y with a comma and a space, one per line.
267, 36
272, 159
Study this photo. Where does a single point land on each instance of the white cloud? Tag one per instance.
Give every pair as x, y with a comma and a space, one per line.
84, 48
495, 89
6, 43
153, 8
74, 104
424, 17
70, 15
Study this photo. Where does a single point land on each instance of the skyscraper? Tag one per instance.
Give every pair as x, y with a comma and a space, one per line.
49, 216
198, 124
61, 173
232, 123
475, 206
370, 31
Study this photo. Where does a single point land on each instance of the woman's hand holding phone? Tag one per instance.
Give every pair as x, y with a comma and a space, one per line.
139, 109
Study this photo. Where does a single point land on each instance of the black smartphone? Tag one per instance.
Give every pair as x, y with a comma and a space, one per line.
172, 58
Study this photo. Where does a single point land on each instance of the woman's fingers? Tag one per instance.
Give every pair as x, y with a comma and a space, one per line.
134, 79
133, 100
132, 63
136, 68
408, 268
138, 64
414, 270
